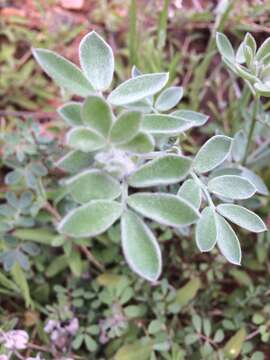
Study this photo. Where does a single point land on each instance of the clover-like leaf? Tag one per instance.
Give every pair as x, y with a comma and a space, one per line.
227, 241
97, 61
158, 124
90, 219
212, 153
71, 113
85, 139
138, 88
140, 247
242, 217
206, 230
191, 192
256, 180
97, 114
63, 72
198, 119
225, 47
164, 208
232, 187
126, 127
93, 185
75, 161
168, 169
169, 98
140, 144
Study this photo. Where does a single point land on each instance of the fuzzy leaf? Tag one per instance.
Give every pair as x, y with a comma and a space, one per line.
255, 180
63, 72
97, 115
242, 217
140, 247
239, 145
84, 139
196, 118
212, 153
169, 98
126, 127
262, 89
90, 219
75, 161
158, 124
206, 230
140, 144
187, 292
263, 50
97, 61
232, 187
138, 88
234, 345
168, 169
71, 113
227, 241
224, 46
93, 185
164, 208
191, 192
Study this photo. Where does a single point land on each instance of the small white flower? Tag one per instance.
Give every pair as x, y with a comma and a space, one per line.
3, 357
15, 339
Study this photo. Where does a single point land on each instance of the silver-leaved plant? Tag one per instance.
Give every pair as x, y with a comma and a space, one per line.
125, 143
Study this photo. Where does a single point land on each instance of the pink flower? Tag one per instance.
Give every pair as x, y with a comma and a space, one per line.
3, 357
73, 326
15, 339
34, 358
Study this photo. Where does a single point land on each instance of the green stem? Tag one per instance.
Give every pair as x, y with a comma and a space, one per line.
252, 127
204, 189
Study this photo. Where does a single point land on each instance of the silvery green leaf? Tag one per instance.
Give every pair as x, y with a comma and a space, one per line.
84, 139
140, 247
97, 115
191, 192
140, 144
71, 113
13, 177
245, 73
138, 88
232, 187
206, 230
93, 185
224, 46
135, 72
242, 217
167, 169
231, 65
263, 50
249, 56
213, 153
164, 208
90, 219
63, 72
126, 127
262, 89
227, 241
158, 124
142, 106
250, 41
240, 57
198, 119
169, 98
256, 181
97, 61
74, 161
239, 145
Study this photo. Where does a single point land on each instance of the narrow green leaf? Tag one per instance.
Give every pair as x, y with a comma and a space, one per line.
138, 88
263, 50
224, 46
262, 89
242, 217
234, 345
169, 98
20, 279
75, 161
63, 72
198, 119
164, 208
188, 292
255, 180
140, 247
250, 41
239, 145
97, 61
39, 235
93, 185
90, 219
227, 241
212, 153
158, 124
206, 230
140, 144
232, 187
137, 350
84, 139
71, 113
97, 115
168, 169
126, 127
191, 192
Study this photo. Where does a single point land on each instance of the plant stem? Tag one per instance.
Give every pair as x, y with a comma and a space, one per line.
252, 127
204, 189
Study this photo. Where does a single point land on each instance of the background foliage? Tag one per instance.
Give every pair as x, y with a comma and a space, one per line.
203, 307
